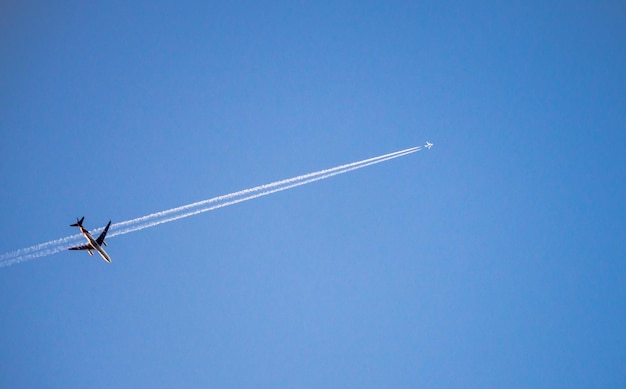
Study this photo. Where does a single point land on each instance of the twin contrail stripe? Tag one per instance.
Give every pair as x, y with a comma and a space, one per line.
154, 219
261, 188
238, 197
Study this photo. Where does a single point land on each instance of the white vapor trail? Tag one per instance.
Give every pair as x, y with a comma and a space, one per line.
140, 223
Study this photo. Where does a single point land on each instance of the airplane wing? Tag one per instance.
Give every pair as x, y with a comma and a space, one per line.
83, 247
100, 239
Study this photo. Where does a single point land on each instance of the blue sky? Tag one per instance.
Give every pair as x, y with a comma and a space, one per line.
496, 259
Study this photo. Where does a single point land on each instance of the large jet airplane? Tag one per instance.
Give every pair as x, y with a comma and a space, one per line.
428, 145
94, 244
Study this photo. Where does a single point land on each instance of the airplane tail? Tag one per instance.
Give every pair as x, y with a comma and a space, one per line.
79, 223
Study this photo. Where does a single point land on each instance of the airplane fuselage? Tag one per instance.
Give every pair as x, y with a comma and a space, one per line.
95, 246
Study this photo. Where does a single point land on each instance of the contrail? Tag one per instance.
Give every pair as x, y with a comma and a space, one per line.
260, 188
194, 209
140, 223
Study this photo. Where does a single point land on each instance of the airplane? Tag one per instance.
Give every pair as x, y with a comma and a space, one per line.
428, 145
94, 244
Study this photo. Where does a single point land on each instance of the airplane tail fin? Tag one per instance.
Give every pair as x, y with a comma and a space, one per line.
79, 223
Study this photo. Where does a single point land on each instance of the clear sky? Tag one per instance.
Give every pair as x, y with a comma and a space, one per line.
495, 259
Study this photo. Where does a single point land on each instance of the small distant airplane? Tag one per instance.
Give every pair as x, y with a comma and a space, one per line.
94, 244
428, 145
